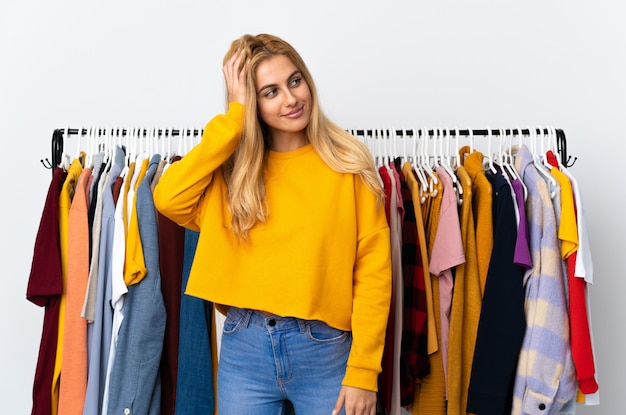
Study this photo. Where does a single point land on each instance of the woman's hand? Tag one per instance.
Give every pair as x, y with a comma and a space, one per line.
356, 401
235, 78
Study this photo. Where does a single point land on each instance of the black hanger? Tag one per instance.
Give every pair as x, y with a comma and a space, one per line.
561, 143
57, 151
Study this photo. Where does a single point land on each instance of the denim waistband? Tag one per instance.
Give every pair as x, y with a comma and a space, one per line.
256, 318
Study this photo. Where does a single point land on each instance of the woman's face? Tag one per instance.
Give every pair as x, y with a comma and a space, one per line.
283, 97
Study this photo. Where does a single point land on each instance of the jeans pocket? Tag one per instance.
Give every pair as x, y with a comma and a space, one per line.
321, 332
234, 321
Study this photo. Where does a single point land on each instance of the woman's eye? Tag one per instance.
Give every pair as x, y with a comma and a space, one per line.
270, 93
296, 82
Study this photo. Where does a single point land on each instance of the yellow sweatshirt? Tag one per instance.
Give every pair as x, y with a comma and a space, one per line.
323, 253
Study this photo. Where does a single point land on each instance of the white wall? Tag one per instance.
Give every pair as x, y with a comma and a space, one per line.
376, 64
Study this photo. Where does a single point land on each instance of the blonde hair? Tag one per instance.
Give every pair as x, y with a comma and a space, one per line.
244, 170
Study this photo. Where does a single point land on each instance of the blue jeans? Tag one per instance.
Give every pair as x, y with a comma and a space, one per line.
266, 360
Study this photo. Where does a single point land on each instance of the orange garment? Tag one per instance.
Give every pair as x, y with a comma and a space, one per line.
74, 365
65, 201
482, 209
466, 304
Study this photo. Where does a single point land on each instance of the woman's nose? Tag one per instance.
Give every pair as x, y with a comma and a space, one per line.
290, 98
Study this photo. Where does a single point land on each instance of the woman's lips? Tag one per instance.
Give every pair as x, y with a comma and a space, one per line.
295, 113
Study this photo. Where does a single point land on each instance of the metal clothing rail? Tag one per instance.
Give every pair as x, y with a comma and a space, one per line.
57, 138
561, 140
125, 131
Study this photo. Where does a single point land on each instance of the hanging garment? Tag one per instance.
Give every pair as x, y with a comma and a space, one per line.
95, 216
98, 304
522, 247
386, 377
483, 217
171, 263
430, 395
414, 363
466, 306
74, 365
65, 202
396, 216
502, 323
195, 386
584, 271
135, 268
577, 302
101, 272
45, 286
547, 363
118, 286
97, 169
447, 253
135, 383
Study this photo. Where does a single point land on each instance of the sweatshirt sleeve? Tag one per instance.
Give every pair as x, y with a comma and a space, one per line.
371, 292
181, 188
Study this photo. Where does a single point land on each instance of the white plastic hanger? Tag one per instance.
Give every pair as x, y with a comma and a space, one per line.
489, 162
152, 138
448, 166
421, 178
444, 157
394, 139
179, 145
152, 144
555, 146
130, 146
79, 153
163, 142
91, 138
455, 158
538, 164
108, 148
470, 137
405, 140
511, 167
503, 159
379, 148
549, 144
384, 138
427, 168
66, 159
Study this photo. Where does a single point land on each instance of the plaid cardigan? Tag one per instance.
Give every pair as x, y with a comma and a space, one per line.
545, 379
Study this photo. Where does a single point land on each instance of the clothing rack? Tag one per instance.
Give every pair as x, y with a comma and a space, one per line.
57, 138
561, 140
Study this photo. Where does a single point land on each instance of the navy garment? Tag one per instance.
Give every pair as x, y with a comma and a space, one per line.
98, 169
502, 321
135, 385
194, 388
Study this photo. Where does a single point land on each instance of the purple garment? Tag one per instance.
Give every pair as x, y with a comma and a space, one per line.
522, 247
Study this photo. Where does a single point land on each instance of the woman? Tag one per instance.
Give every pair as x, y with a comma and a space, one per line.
294, 242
